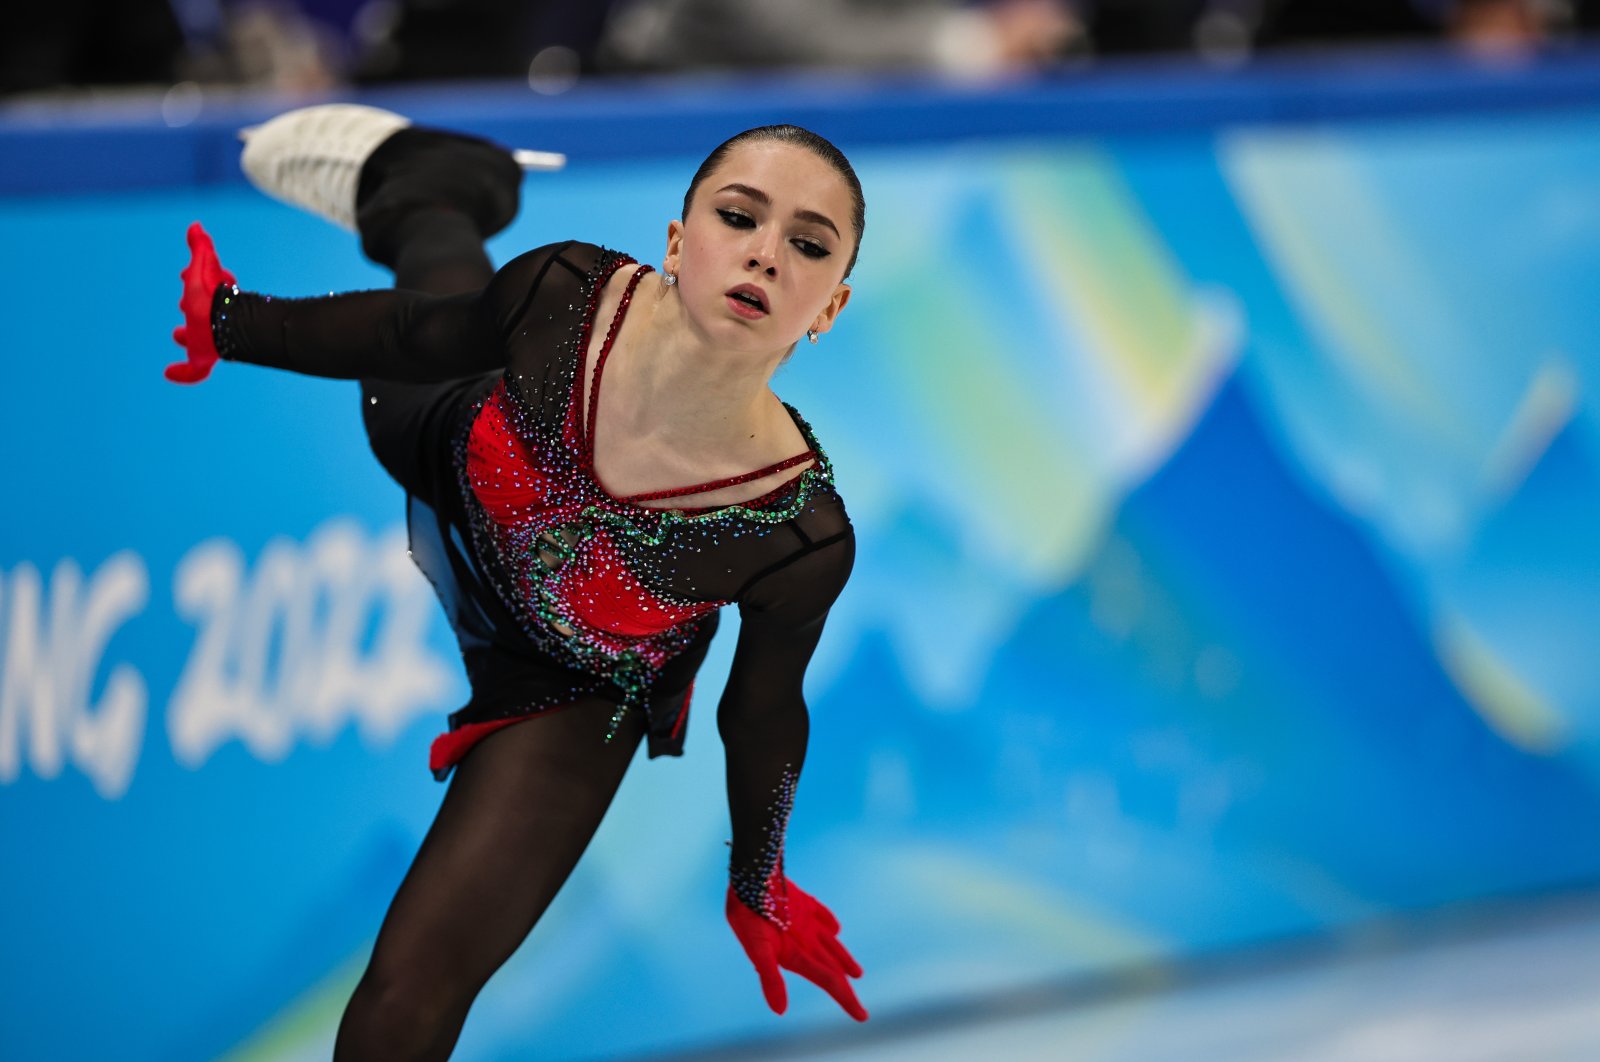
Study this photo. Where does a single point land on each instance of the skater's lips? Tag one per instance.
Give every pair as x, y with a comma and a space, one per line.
753, 292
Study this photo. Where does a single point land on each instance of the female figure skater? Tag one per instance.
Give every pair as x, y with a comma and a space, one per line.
594, 465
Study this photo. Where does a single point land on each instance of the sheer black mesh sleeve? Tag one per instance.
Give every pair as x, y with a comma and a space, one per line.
763, 719
404, 336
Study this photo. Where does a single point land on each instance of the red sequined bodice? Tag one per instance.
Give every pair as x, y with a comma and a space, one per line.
570, 544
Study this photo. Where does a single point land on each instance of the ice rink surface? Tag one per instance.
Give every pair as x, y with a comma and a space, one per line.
1507, 985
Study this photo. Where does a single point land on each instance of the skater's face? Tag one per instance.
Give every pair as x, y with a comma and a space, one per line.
761, 256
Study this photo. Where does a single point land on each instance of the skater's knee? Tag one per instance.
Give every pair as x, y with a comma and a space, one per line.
427, 200
402, 1015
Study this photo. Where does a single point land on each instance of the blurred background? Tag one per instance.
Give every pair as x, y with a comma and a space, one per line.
76, 47
1216, 410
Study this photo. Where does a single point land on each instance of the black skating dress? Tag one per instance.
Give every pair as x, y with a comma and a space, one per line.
557, 590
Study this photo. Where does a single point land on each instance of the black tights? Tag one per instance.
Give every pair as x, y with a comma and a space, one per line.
519, 812
523, 803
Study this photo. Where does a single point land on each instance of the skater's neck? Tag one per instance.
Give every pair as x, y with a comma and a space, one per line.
676, 386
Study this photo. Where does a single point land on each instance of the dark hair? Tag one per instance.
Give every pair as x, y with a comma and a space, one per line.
817, 145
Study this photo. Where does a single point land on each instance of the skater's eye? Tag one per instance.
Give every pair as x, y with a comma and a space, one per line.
806, 245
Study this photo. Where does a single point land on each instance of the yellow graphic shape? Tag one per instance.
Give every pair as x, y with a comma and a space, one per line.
1512, 708
304, 1030
1342, 261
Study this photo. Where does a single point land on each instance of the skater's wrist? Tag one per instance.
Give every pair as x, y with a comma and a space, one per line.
226, 301
764, 893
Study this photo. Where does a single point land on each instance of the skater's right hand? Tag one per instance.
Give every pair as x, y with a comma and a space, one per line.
200, 280
808, 945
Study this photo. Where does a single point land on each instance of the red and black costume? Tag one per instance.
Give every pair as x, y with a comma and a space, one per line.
481, 406
557, 589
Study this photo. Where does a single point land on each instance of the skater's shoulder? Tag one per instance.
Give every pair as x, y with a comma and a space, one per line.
565, 261
552, 285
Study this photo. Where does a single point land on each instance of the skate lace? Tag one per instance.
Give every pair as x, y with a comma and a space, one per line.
312, 158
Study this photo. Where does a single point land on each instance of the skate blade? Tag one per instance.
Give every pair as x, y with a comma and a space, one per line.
539, 160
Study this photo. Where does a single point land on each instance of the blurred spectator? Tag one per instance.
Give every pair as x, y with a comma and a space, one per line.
1121, 26
408, 40
313, 46
1484, 26
301, 46
63, 43
276, 45
933, 35
1322, 22
1500, 27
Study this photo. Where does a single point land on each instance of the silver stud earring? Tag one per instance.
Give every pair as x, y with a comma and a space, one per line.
669, 279
811, 334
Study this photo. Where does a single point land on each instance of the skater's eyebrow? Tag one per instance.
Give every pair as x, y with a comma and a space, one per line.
765, 200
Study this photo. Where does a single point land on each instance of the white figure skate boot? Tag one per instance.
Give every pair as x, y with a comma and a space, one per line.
312, 157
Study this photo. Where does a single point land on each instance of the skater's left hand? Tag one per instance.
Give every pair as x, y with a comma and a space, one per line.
810, 947
200, 280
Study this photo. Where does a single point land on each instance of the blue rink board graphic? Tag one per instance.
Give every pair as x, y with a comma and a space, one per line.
1227, 514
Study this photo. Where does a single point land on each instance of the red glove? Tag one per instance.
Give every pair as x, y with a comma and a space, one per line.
810, 947
200, 280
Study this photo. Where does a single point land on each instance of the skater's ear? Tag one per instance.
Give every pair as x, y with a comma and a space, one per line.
669, 262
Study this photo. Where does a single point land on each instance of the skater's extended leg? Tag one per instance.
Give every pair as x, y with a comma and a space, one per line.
372, 170
519, 812
426, 201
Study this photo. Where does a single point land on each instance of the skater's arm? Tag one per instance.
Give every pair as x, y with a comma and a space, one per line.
389, 334
765, 727
762, 717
